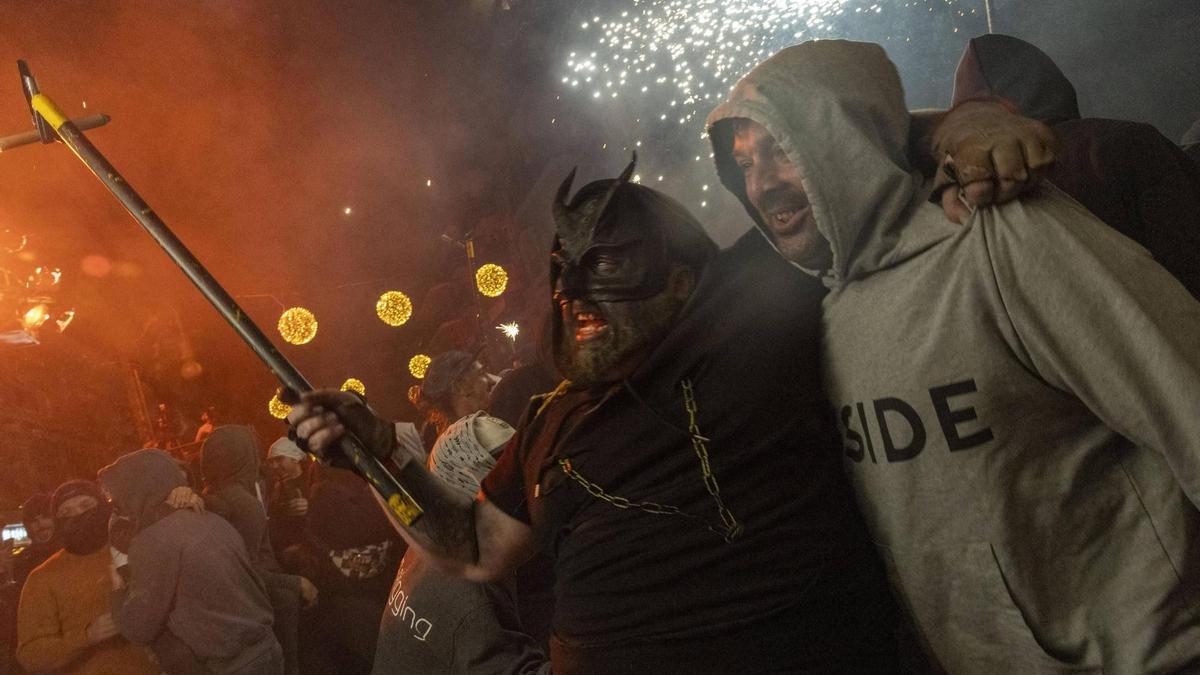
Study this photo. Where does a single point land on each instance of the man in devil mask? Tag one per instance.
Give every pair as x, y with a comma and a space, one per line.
684, 478
64, 622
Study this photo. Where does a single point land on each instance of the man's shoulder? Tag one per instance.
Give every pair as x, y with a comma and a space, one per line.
51, 566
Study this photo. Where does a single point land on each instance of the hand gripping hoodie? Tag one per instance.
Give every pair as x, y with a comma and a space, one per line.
1017, 396
1126, 173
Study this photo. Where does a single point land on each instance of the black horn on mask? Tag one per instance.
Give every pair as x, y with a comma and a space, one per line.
575, 224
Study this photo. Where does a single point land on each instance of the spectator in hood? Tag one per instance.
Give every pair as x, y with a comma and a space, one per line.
1126, 173
1191, 142
229, 462
434, 623
190, 580
37, 514
64, 621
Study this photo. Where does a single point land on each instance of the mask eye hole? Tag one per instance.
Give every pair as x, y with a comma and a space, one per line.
604, 265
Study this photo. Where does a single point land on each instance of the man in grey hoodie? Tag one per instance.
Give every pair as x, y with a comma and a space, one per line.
1016, 396
190, 574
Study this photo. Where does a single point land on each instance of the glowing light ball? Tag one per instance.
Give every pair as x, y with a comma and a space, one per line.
191, 370
418, 364
298, 326
510, 330
355, 384
394, 308
277, 408
491, 280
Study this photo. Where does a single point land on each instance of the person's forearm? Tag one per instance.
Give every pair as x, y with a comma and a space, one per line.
446, 529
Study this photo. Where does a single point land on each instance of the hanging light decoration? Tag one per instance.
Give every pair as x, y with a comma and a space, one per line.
298, 326
491, 280
356, 385
394, 308
418, 364
277, 408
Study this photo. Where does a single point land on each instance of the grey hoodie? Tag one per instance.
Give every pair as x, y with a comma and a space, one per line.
190, 574
1017, 396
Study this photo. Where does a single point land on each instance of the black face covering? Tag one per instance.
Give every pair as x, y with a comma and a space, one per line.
84, 533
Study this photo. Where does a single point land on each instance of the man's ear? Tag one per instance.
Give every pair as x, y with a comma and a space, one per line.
681, 283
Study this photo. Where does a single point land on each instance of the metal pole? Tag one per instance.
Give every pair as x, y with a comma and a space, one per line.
987, 10
401, 502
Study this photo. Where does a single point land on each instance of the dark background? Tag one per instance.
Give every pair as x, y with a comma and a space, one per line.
251, 126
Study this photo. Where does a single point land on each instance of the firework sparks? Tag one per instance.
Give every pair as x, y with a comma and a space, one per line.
691, 50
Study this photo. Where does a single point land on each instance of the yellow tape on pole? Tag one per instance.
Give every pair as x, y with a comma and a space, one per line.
49, 112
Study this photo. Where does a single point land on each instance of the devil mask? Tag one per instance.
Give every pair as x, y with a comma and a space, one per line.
616, 247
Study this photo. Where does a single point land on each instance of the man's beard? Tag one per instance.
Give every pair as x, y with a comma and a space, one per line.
633, 328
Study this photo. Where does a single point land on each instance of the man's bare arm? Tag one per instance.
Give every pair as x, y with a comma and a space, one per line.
469, 538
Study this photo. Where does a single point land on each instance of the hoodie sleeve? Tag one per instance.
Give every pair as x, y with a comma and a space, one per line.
41, 643
141, 608
1097, 317
1167, 192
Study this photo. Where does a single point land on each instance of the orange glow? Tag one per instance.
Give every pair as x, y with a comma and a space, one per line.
35, 317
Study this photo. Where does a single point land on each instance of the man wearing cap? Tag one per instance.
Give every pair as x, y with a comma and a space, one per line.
292, 475
64, 621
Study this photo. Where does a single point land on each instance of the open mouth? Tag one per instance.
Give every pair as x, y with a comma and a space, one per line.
788, 220
589, 326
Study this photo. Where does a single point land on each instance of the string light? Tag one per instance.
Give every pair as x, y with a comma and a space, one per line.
297, 326
278, 409
394, 308
355, 384
418, 364
491, 280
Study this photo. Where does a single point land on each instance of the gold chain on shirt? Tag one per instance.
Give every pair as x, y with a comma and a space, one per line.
730, 529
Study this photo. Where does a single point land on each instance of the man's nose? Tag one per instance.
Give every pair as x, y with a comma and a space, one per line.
762, 177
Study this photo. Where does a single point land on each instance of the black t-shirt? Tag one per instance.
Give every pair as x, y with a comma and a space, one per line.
747, 343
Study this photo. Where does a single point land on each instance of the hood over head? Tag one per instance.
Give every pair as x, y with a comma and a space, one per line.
1013, 69
837, 110
230, 456
140, 482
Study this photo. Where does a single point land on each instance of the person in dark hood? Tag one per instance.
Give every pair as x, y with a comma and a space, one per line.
653, 477
229, 462
37, 514
1126, 173
1030, 479
189, 574
65, 622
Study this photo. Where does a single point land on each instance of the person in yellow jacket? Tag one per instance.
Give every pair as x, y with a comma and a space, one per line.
64, 622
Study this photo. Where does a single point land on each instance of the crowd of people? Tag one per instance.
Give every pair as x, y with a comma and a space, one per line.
933, 413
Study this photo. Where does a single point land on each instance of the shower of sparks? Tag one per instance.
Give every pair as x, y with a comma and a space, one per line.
691, 50
510, 330
649, 71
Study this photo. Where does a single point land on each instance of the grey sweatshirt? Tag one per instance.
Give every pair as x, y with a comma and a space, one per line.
1017, 396
190, 574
